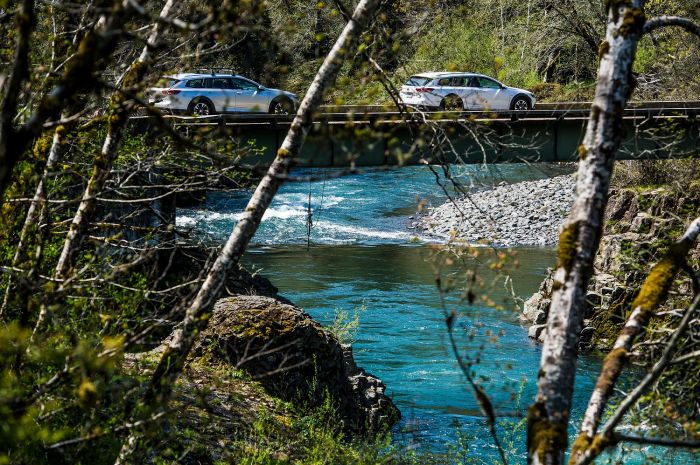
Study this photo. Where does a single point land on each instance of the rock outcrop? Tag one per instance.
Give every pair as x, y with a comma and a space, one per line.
639, 225
296, 359
263, 370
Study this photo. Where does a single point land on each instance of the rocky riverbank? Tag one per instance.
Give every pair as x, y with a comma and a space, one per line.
263, 375
639, 225
522, 214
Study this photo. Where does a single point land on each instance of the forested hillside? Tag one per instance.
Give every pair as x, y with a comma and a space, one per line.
550, 47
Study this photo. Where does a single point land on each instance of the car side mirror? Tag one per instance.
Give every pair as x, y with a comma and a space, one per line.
260, 88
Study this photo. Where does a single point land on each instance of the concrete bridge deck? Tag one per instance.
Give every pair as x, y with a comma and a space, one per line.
375, 135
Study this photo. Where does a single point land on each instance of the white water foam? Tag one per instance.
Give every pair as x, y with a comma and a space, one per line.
358, 232
192, 218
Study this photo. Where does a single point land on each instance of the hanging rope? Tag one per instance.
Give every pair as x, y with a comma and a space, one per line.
309, 220
323, 192
309, 211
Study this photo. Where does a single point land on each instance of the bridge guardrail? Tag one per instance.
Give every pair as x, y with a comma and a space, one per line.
362, 115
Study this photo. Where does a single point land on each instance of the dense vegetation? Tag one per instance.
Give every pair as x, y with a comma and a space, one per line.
93, 269
550, 47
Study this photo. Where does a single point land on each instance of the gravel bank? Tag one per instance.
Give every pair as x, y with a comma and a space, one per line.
523, 214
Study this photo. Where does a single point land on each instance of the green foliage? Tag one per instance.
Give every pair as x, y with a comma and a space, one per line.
453, 45
346, 324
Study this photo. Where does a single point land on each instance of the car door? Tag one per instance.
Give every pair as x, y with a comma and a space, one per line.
471, 93
220, 93
444, 87
459, 87
248, 96
490, 95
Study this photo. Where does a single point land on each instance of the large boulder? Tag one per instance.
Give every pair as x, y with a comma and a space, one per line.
296, 359
536, 308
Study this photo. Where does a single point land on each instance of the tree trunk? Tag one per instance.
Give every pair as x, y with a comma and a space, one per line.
651, 295
196, 318
33, 212
92, 54
110, 149
548, 417
8, 134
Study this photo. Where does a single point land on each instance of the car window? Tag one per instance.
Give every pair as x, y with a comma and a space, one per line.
444, 81
195, 83
488, 83
219, 83
245, 84
417, 81
473, 82
458, 81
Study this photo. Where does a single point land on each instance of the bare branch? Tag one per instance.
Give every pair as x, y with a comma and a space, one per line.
666, 442
178, 349
103, 162
686, 357
95, 47
548, 417
8, 134
667, 21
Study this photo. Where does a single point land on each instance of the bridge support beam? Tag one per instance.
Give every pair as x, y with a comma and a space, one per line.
342, 140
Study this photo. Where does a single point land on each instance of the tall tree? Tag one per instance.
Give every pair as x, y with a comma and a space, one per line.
178, 348
548, 417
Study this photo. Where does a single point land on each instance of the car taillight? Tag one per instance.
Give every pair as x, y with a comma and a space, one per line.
170, 92
424, 89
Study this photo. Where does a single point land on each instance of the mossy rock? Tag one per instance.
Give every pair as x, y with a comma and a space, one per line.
295, 359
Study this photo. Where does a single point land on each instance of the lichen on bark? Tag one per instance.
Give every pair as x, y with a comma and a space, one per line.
567, 246
543, 437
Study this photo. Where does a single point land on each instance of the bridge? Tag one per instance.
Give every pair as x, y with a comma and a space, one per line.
344, 136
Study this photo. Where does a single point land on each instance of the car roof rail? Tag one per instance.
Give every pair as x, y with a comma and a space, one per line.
213, 70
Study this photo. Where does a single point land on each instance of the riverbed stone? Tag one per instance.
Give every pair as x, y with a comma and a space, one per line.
537, 332
638, 228
508, 215
296, 359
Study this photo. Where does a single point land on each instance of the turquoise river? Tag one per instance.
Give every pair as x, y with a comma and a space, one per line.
360, 257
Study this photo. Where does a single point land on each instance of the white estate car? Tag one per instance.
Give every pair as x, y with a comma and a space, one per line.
463, 91
208, 94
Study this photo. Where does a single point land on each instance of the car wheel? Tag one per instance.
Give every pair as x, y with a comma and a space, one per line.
520, 103
282, 107
201, 107
452, 103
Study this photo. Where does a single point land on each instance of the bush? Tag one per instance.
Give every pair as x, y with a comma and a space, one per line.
678, 174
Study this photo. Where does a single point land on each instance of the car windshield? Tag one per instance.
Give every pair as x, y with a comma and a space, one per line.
418, 81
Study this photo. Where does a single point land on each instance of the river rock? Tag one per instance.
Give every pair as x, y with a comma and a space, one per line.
296, 359
536, 308
537, 332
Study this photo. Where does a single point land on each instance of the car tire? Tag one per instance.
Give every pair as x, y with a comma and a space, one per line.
201, 107
452, 103
520, 103
281, 106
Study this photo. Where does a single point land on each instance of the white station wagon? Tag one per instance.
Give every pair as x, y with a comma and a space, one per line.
463, 91
208, 94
